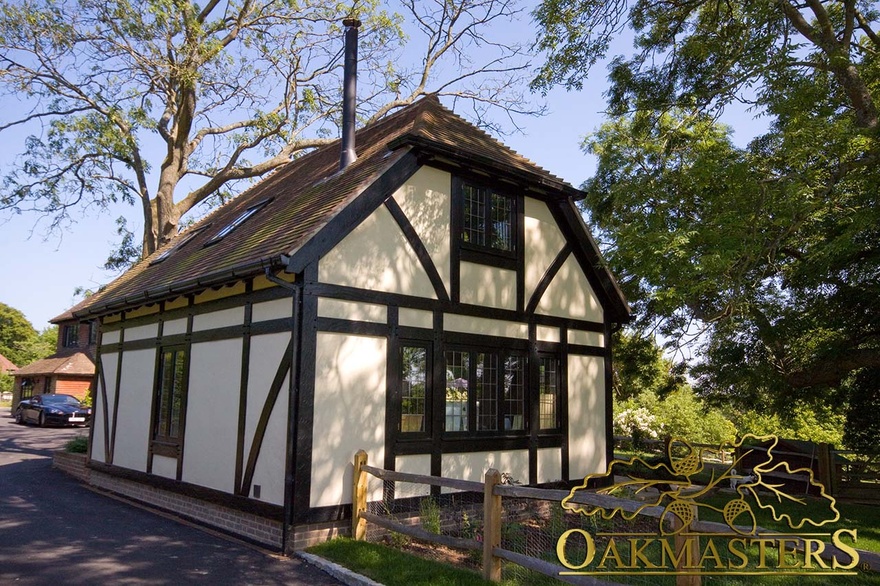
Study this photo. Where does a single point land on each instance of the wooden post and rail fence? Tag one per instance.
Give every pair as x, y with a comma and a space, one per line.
845, 474
493, 491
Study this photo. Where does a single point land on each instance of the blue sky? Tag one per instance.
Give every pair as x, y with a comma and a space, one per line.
40, 270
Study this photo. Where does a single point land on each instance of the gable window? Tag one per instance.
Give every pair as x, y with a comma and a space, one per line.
241, 219
93, 333
69, 336
488, 219
170, 400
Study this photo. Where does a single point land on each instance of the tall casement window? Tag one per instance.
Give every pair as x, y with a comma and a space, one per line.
70, 336
485, 391
170, 401
548, 392
413, 388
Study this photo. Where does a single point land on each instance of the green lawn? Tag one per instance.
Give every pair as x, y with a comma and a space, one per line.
393, 567
863, 518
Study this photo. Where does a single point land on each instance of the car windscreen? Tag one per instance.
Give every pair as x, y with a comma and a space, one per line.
60, 400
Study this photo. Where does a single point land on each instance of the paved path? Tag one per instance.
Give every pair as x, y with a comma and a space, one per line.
55, 531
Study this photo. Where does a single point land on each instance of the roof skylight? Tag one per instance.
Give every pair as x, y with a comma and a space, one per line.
167, 252
237, 222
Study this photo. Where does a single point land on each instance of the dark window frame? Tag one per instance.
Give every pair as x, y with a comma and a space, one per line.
241, 219
165, 441
485, 253
549, 379
478, 385
26, 387
183, 242
70, 336
401, 395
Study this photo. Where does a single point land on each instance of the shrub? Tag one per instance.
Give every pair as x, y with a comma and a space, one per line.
78, 445
429, 511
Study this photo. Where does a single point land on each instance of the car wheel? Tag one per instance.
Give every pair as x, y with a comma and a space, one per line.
18, 418
42, 422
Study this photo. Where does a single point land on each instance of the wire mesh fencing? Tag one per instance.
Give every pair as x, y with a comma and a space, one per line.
449, 523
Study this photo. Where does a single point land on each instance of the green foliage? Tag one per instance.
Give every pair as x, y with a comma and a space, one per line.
800, 421
862, 422
7, 381
429, 513
765, 256
639, 367
77, 445
394, 568
680, 414
224, 92
19, 341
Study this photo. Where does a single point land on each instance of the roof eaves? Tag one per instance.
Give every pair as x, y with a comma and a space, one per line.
431, 147
156, 294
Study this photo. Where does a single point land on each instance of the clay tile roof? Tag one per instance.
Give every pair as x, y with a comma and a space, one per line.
68, 315
304, 195
76, 364
6, 365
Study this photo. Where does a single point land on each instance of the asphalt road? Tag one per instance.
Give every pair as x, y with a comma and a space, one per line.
55, 531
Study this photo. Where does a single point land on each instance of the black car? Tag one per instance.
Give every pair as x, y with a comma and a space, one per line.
53, 410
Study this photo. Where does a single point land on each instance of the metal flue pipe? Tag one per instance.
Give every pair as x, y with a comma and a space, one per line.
349, 92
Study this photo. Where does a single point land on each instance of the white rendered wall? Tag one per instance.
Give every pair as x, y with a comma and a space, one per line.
219, 319
142, 332
110, 337
376, 256
473, 466
212, 414
413, 464
415, 318
586, 415
133, 412
275, 309
352, 310
570, 295
543, 241
349, 413
174, 326
108, 368
488, 327
583, 338
487, 285
164, 466
265, 356
549, 465
425, 199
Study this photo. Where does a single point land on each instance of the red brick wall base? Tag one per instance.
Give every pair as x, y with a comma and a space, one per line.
266, 532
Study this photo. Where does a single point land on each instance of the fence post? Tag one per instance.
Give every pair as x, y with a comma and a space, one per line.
359, 497
826, 467
684, 542
491, 526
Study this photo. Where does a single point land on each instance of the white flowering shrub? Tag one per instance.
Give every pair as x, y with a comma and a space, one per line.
637, 422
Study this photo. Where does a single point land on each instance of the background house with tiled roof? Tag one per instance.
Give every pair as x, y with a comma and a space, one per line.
70, 370
6, 365
438, 302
